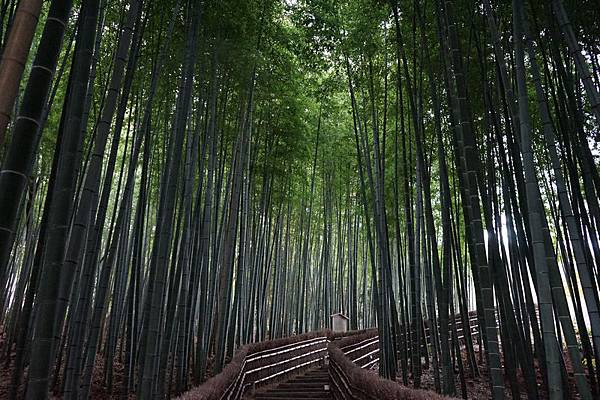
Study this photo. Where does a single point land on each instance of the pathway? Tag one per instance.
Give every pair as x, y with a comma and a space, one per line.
314, 384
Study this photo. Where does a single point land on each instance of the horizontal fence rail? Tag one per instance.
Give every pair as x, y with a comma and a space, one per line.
350, 355
261, 363
266, 365
365, 353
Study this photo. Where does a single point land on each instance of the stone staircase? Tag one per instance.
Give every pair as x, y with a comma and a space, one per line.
314, 384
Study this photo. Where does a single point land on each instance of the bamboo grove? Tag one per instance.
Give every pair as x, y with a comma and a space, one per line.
179, 178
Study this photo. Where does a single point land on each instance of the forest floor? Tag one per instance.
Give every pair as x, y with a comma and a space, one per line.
477, 387
99, 389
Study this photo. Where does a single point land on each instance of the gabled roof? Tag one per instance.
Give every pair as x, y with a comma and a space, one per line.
340, 315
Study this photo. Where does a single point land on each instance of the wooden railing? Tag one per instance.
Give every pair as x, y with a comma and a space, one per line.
261, 367
350, 355
261, 363
350, 379
365, 352
473, 326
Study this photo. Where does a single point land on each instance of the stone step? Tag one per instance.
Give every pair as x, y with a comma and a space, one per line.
293, 394
317, 374
293, 397
309, 380
313, 384
302, 385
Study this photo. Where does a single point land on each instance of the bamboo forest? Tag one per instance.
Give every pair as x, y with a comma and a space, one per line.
299, 199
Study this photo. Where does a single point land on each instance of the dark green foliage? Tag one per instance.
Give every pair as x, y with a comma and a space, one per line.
228, 172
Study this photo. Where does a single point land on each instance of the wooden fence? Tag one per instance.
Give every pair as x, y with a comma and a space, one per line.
349, 354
